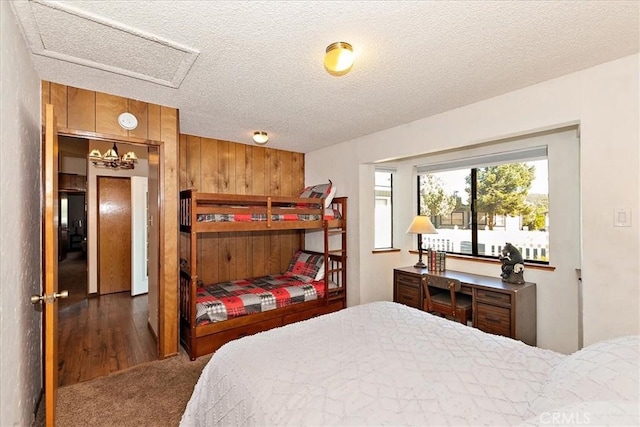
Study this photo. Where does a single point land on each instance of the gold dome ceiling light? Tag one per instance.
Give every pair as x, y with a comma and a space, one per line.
260, 137
339, 58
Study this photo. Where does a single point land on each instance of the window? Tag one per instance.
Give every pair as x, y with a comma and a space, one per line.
383, 209
478, 205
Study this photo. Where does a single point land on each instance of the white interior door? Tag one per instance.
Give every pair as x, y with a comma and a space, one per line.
139, 235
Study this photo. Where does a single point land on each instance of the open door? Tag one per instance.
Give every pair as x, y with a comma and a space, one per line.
50, 264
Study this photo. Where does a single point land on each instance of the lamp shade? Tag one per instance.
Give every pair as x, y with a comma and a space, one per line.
95, 155
338, 59
130, 157
422, 225
111, 155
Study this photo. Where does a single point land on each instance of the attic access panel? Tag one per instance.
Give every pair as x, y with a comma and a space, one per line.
62, 32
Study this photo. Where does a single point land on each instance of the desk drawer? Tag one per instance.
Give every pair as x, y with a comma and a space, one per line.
408, 295
408, 279
493, 319
493, 297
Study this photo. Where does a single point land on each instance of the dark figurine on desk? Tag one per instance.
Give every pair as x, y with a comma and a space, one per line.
512, 265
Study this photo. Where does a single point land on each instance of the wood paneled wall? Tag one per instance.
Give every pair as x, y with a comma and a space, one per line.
86, 110
95, 112
215, 166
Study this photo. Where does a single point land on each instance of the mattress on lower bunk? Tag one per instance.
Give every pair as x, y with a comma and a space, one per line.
329, 214
227, 300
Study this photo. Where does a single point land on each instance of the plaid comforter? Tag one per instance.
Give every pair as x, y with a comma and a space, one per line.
227, 300
242, 217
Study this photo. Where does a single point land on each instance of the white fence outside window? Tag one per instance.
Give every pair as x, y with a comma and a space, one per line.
533, 245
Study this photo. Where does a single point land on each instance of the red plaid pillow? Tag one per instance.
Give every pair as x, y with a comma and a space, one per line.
308, 267
327, 191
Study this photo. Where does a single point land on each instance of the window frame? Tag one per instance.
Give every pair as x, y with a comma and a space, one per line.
473, 165
391, 173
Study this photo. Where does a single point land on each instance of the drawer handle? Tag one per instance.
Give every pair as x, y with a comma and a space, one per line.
492, 320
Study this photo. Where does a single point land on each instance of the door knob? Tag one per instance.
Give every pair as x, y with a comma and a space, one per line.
48, 299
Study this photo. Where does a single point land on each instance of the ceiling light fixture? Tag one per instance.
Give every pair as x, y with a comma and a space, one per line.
112, 160
339, 58
260, 137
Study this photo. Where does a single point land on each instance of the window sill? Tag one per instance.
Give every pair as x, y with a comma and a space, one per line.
384, 251
492, 261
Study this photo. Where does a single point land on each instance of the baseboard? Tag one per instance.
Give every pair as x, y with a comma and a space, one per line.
153, 334
92, 295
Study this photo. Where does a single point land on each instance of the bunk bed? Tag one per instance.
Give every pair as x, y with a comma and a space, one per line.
202, 213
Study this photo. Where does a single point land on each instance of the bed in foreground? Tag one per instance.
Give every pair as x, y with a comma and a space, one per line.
387, 364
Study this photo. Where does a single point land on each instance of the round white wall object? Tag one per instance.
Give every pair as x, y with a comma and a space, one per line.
127, 121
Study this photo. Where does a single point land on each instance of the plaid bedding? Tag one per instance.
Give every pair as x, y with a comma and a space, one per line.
237, 298
242, 217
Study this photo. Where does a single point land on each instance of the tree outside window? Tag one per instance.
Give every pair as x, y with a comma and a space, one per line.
510, 203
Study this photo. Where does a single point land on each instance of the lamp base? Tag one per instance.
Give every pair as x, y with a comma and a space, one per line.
420, 264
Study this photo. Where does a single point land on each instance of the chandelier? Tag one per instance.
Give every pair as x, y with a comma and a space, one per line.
112, 160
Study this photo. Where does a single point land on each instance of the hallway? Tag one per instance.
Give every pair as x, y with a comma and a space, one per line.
98, 335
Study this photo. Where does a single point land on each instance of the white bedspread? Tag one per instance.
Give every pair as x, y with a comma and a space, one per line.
374, 364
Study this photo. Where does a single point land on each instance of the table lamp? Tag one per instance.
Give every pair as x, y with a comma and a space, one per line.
421, 225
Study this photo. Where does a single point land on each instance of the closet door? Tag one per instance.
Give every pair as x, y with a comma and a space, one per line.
114, 235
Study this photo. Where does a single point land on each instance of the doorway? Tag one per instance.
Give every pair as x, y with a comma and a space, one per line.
72, 227
72, 262
108, 330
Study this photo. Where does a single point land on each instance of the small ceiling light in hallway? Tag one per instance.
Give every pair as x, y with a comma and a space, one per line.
260, 137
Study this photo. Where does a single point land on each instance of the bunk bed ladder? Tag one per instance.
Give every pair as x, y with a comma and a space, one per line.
336, 260
327, 275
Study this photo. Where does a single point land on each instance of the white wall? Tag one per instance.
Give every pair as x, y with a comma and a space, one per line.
20, 255
141, 169
604, 101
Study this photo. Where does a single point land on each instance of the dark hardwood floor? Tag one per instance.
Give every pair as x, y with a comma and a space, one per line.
101, 335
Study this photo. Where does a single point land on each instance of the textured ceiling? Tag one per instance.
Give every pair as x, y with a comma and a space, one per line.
244, 66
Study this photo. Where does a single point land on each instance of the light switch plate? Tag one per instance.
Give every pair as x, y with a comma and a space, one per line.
622, 217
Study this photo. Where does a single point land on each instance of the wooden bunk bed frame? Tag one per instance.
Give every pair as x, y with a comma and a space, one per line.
205, 339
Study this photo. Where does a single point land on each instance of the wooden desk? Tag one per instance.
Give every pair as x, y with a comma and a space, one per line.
498, 308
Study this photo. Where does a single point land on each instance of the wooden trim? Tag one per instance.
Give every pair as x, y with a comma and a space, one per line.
153, 334
161, 238
385, 251
471, 258
169, 260
107, 137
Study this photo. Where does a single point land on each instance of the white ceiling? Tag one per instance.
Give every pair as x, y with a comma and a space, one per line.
233, 67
